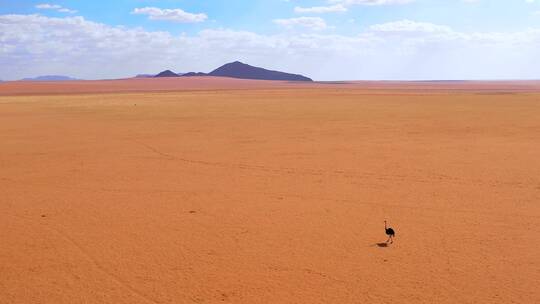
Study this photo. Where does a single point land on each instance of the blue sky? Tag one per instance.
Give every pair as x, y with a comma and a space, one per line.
325, 39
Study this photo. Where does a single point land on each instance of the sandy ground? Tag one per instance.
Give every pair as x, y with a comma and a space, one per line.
133, 85
270, 196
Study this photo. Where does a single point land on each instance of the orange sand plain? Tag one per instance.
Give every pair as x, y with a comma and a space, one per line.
133, 85
273, 195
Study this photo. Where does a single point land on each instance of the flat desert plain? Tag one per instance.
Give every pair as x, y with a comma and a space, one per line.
271, 195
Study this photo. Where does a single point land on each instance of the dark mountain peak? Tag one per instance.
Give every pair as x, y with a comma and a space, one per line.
194, 74
167, 73
236, 63
241, 70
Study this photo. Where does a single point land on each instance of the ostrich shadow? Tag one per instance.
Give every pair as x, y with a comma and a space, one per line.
382, 245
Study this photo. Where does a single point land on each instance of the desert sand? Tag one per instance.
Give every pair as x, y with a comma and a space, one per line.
260, 192
132, 85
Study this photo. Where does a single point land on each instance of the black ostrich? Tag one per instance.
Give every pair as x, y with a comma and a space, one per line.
390, 232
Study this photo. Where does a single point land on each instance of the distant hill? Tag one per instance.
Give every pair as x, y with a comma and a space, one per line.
193, 74
167, 73
50, 78
241, 70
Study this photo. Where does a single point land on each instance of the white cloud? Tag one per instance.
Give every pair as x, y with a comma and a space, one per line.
342, 5
35, 45
314, 23
321, 9
48, 6
67, 10
56, 7
410, 26
371, 2
176, 15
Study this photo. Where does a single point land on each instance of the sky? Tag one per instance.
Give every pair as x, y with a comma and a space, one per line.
322, 39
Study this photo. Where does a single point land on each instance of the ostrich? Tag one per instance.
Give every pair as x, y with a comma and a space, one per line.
390, 232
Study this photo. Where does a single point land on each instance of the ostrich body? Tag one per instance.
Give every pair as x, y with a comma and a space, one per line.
390, 232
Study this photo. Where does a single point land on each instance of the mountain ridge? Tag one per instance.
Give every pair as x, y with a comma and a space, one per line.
166, 73
241, 70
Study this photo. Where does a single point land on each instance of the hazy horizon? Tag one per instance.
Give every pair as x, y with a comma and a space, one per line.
327, 40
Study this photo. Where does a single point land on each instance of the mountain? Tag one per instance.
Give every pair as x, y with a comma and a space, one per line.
50, 78
194, 74
241, 70
167, 73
